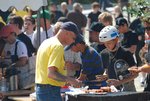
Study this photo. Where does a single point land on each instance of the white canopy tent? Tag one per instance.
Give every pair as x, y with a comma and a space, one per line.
21, 4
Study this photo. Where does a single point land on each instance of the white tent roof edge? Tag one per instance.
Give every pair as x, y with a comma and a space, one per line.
21, 4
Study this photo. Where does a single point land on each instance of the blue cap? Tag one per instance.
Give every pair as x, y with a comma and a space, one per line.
70, 26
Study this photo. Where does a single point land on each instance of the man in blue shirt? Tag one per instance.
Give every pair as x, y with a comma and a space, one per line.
91, 60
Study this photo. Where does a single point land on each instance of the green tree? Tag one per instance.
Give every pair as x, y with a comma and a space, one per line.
139, 8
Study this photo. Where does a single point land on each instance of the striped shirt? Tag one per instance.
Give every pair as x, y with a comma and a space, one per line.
91, 63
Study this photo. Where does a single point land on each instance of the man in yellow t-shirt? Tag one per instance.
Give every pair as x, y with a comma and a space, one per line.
50, 71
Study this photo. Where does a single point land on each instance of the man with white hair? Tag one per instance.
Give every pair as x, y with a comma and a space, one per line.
64, 8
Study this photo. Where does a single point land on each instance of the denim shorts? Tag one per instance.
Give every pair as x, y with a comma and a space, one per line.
46, 92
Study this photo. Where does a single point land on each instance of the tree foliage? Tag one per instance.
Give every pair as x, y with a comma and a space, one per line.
139, 8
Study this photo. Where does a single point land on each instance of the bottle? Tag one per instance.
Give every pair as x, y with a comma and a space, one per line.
4, 87
13, 82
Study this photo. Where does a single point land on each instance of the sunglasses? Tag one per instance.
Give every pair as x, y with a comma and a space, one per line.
147, 28
7, 36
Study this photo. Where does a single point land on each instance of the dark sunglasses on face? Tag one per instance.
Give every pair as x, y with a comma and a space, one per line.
147, 28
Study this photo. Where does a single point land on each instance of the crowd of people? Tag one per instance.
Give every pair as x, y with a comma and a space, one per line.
63, 57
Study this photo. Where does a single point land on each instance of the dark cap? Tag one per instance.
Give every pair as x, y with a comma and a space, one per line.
96, 26
70, 26
62, 19
121, 21
46, 12
79, 39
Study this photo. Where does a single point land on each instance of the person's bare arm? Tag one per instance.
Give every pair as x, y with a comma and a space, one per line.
134, 73
145, 68
88, 22
54, 74
82, 77
21, 62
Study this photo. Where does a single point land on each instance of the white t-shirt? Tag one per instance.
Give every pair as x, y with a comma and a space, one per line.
42, 36
30, 35
74, 58
9, 50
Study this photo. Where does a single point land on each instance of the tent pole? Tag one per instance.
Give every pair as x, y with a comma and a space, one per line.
45, 22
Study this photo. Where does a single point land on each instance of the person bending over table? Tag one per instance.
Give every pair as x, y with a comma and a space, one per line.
50, 64
91, 61
113, 53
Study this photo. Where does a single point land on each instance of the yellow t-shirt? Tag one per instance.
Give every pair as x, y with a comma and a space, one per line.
50, 53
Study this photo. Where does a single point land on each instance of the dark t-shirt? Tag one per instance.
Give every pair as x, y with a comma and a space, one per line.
130, 38
26, 40
57, 15
98, 47
110, 58
91, 63
138, 27
78, 18
94, 16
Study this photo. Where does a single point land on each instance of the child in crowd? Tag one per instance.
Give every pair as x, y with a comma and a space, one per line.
29, 26
113, 53
105, 18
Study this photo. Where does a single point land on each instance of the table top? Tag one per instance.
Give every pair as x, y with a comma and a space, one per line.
118, 96
114, 94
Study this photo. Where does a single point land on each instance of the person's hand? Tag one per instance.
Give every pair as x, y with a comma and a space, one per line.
101, 77
69, 65
74, 82
145, 68
113, 82
139, 37
134, 70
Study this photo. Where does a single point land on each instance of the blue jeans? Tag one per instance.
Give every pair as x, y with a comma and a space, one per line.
46, 92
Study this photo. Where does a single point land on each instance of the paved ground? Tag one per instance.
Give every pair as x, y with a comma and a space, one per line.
137, 83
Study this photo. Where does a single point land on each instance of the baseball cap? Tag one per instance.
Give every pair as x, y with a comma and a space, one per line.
96, 26
46, 12
121, 21
7, 30
70, 26
62, 19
